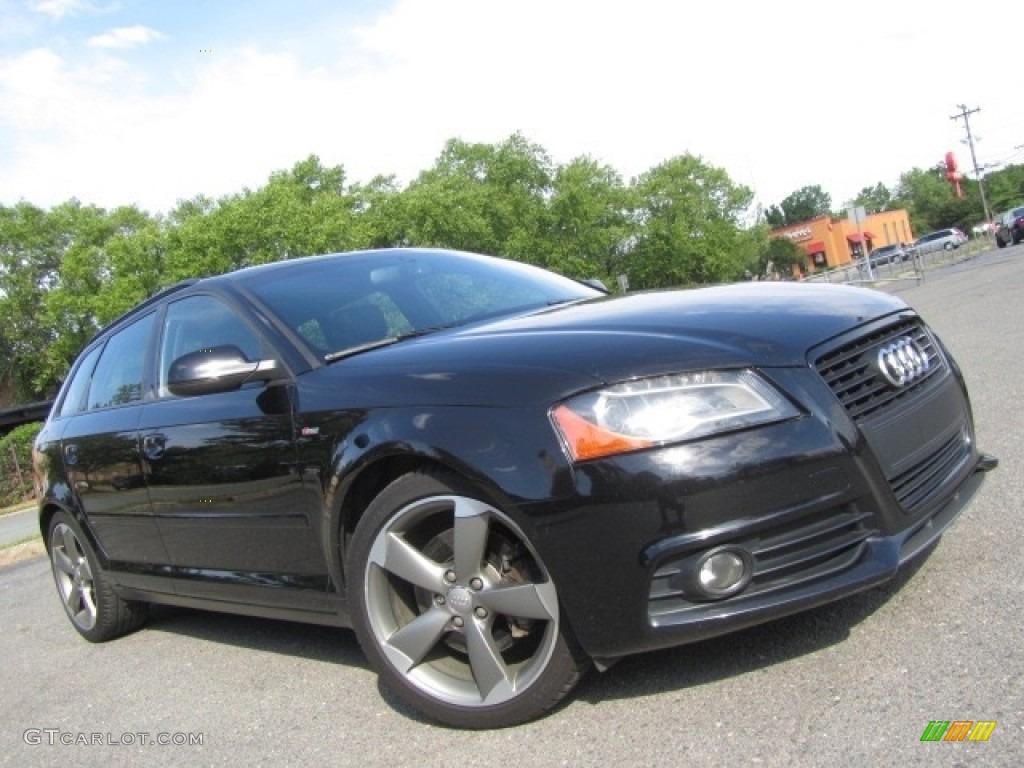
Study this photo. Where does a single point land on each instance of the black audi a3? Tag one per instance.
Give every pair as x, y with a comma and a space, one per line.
497, 476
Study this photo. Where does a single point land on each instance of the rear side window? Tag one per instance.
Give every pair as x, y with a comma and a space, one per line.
74, 400
117, 379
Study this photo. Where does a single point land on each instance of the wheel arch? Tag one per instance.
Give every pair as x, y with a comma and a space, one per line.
51, 507
360, 486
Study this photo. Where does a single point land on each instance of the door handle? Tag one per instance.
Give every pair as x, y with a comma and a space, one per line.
154, 446
70, 454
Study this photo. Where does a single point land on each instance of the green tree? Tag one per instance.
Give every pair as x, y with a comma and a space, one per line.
482, 197
589, 223
780, 256
299, 212
802, 205
687, 225
931, 202
378, 216
31, 246
1005, 188
874, 199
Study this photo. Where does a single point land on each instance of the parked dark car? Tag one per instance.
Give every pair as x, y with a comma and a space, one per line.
887, 254
497, 476
1010, 228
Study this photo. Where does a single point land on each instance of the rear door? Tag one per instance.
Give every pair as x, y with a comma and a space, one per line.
100, 446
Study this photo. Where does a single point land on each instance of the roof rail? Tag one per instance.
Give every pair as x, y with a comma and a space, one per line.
148, 302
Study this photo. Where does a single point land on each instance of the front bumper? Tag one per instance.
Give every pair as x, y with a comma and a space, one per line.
827, 505
873, 560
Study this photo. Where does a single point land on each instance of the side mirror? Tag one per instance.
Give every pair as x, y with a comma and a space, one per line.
216, 369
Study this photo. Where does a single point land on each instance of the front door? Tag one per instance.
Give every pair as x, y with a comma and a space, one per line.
223, 477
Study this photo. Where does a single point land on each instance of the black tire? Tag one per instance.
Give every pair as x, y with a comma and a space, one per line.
85, 592
949, 246
454, 608
1000, 242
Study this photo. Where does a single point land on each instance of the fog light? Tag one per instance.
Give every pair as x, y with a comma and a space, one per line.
723, 572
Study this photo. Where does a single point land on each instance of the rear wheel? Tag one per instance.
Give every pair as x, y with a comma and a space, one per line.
454, 607
85, 592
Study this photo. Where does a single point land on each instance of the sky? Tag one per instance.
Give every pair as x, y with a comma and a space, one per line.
122, 102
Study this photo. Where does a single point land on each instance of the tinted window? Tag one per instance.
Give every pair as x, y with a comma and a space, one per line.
201, 322
74, 400
118, 376
334, 302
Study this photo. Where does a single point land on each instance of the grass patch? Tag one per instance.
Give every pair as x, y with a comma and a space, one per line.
25, 550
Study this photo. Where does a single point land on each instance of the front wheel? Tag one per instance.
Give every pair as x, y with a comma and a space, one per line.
454, 607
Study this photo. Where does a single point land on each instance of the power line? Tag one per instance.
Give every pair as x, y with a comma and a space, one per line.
965, 115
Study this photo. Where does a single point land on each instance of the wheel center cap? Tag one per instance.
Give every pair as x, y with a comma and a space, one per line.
459, 599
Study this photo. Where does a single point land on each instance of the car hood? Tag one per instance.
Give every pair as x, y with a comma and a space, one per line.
564, 349
761, 324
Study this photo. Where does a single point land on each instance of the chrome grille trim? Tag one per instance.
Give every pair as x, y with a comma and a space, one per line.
852, 375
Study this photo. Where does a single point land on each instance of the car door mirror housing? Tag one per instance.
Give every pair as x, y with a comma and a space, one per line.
216, 369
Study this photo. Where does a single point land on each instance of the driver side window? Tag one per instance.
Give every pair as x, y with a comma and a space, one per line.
203, 322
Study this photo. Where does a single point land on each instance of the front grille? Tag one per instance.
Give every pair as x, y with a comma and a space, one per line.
852, 374
812, 547
920, 483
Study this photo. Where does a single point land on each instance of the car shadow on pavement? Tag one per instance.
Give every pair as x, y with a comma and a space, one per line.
679, 668
315, 642
745, 651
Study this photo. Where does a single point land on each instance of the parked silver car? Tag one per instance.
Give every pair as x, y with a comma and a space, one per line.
940, 239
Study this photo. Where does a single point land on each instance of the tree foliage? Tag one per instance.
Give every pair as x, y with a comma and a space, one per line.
1005, 188
927, 196
67, 271
16, 463
687, 225
874, 199
802, 205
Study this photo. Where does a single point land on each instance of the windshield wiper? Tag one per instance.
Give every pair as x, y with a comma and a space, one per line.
387, 341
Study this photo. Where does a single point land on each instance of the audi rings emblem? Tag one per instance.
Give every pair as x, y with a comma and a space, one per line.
903, 362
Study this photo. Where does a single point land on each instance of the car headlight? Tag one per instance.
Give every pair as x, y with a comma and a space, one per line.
648, 412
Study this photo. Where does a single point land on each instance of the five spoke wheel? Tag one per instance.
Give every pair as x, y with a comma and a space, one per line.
458, 607
74, 576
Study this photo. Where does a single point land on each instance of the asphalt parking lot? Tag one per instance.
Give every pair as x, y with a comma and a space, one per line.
852, 684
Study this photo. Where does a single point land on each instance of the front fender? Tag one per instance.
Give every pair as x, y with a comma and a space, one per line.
512, 455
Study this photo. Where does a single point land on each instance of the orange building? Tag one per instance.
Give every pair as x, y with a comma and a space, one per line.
831, 243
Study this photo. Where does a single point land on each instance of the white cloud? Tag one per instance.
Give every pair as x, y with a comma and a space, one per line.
57, 9
769, 96
124, 37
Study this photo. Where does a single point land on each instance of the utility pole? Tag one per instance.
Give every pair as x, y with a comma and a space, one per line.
965, 114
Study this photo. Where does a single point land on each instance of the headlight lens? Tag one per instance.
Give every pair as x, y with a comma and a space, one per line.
648, 412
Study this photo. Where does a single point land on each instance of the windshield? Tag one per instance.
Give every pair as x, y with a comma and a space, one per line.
347, 301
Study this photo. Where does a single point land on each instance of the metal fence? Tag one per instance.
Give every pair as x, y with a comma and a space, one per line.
913, 268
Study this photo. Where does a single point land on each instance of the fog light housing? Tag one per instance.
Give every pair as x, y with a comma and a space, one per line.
723, 572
